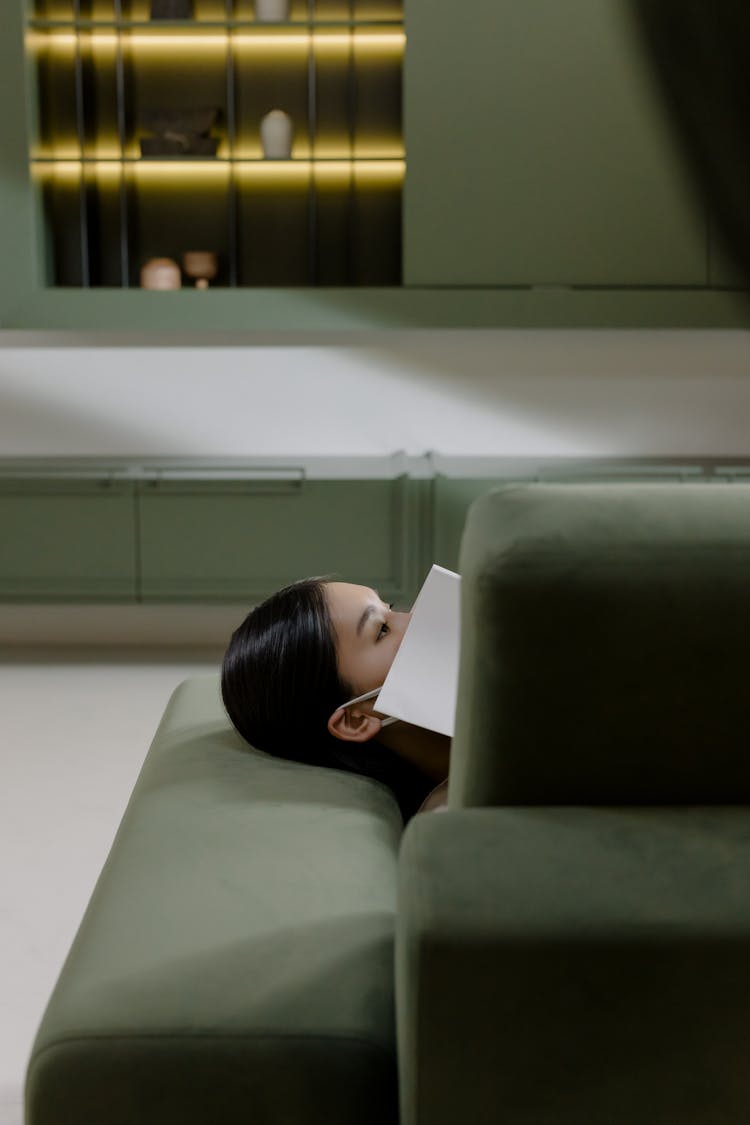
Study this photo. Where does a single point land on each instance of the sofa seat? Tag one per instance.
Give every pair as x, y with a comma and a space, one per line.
235, 963
593, 968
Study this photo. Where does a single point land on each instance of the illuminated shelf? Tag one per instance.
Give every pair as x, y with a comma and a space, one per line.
335, 170
198, 25
360, 36
217, 160
329, 215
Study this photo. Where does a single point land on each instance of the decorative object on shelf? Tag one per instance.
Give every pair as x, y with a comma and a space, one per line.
201, 265
198, 134
276, 135
161, 273
272, 11
171, 9
180, 132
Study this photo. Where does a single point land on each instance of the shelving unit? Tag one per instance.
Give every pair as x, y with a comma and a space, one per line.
515, 169
328, 216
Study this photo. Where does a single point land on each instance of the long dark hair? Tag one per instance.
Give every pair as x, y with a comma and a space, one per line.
280, 683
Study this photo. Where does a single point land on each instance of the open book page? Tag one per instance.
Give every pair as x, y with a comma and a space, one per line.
421, 685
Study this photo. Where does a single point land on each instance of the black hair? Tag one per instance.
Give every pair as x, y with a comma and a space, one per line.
280, 684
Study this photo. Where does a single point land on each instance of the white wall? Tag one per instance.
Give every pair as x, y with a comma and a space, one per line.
507, 393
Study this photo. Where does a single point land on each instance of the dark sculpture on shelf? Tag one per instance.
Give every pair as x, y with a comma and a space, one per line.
180, 132
201, 265
171, 9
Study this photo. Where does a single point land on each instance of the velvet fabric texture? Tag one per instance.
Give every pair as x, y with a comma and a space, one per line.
604, 641
235, 963
573, 934
574, 966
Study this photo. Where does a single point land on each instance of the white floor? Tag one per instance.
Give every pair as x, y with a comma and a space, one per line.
75, 726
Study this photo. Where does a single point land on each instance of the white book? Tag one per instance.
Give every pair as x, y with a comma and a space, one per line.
421, 685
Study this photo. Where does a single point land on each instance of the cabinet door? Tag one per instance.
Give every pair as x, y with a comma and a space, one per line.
453, 496
64, 541
240, 543
725, 271
452, 500
538, 151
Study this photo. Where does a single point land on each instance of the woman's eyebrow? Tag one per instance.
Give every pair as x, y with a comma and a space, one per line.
368, 613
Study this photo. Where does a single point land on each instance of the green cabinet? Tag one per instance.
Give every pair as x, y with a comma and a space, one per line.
538, 152
452, 500
240, 542
162, 532
134, 534
453, 495
723, 271
67, 540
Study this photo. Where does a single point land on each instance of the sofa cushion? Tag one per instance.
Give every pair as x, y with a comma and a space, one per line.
574, 966
235, 960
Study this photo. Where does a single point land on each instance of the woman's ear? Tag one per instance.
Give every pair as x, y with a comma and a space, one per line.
353, 725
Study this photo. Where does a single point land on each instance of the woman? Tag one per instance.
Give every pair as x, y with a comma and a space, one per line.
292, 668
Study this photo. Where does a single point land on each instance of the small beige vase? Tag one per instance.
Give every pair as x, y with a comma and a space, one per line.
272, 11
161, 273
276, 131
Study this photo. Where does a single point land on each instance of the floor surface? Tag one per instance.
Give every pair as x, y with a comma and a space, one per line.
75, 726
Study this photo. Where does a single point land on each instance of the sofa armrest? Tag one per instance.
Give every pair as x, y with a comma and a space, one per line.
235, 963
569, 965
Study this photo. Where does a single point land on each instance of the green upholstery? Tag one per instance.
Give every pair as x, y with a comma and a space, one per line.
235, 962
572, 935
559, 963
604, 646
573, 966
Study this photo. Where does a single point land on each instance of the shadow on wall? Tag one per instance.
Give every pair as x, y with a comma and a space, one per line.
36, 424
610, 392
459, 392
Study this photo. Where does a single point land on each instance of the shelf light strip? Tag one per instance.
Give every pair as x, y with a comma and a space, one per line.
187, 170
392, 40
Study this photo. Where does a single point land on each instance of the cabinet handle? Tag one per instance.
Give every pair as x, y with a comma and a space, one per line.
240, 475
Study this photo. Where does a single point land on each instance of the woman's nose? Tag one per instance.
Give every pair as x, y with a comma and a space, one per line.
404, 619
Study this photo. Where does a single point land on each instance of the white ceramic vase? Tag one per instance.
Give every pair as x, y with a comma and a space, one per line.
276, 135
272, 11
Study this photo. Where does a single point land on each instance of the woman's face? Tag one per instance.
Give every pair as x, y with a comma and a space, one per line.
368, 634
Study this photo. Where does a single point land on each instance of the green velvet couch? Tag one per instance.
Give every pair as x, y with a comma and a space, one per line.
569, 942
573, 934
235, 964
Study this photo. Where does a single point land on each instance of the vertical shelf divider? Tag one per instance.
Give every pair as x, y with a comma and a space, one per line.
122, 139
313, 257
233, 231
351, 124
83, 217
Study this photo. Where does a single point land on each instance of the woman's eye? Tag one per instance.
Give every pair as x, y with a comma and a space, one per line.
384, 630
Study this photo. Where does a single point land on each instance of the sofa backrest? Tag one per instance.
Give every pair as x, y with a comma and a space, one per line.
604, 650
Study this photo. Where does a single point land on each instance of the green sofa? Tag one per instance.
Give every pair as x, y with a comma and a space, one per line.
568, 943
573, 934
236, 961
